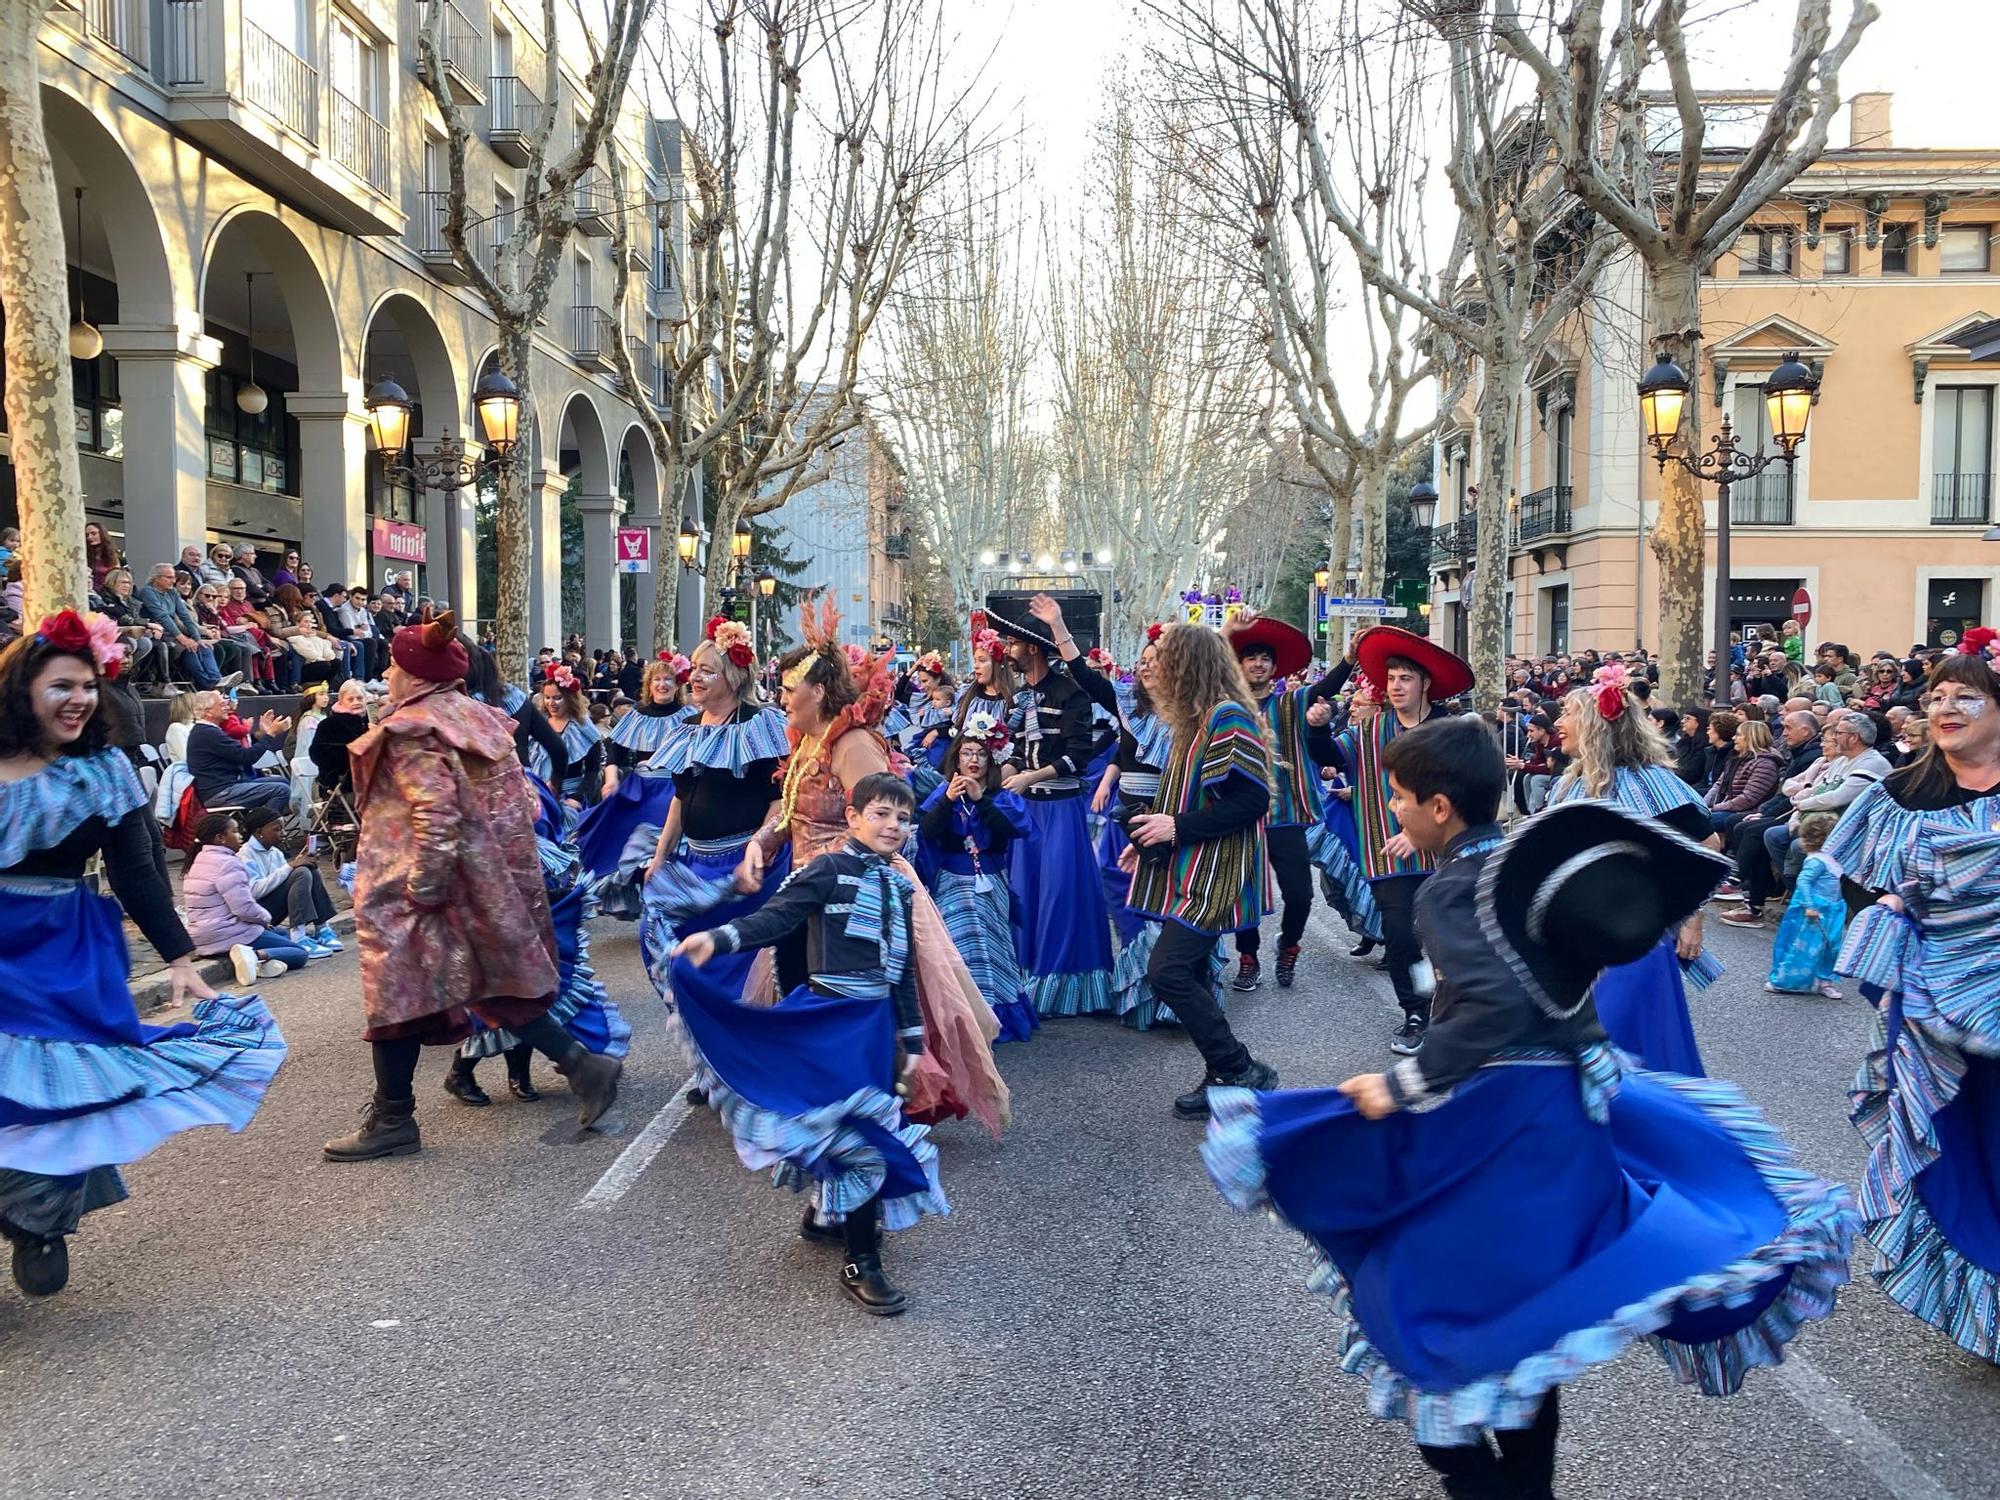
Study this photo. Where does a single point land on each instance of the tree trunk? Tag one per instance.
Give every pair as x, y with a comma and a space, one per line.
667, 558
1339, 542
1680, 534
41, 417
513, 523
1371, 496
719, 567
1485, 603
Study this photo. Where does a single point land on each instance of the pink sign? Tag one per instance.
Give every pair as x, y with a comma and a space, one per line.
399, 540
635, 550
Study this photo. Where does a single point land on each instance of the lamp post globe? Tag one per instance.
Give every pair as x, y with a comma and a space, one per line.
1322, 576
767, 584
1663, 393
497, 400
1423, 504
687, 544
1789, 391
388, 407
739, 542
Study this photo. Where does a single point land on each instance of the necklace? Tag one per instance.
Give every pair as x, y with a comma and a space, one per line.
804, 763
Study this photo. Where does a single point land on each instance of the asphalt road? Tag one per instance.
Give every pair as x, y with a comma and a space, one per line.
1090, 1321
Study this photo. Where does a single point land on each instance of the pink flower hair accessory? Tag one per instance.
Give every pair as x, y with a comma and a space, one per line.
1609, 690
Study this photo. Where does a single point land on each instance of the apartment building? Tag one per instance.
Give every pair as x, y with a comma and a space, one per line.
1877, 266
850, 525
253, 196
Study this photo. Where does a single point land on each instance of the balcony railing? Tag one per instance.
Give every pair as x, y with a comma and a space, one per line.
119, 24
646, 365
593, 335
358, 141
897, 544
463, 49
280, 82
592, 195
1454, 544
185, 42
513, 114
1763, 500
1961, 499
1545, 513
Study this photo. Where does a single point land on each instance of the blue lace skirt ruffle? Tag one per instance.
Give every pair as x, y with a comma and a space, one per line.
1138, 1006
1331, 845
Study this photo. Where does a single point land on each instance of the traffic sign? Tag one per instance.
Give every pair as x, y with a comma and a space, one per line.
1802, 608
1361, 609
635, 549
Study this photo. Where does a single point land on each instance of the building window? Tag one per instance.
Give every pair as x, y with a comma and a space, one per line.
1557, 640
1952, 607
503, 214
1961, 455
1559, 439
1837, 252
1764, 499
1764, 252
1963, 247
355, 64
1895, 249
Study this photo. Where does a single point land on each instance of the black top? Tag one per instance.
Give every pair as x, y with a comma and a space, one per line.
625, 757
1479, 1007
127, 846
1068, 736
1237, 804
532, 728
940, 826
833, 880
216, 762
629, 678
337, 730
718, 805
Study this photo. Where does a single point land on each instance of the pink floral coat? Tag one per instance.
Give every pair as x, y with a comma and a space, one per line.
449, 903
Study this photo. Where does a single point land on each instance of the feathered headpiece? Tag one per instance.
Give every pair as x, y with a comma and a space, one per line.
1609, 690
85, 634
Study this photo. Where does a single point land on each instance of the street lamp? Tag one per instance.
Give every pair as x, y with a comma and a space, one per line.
687, 544
767, 584
497, 400
1322, 576
739, 544
1789, 393
1423, 504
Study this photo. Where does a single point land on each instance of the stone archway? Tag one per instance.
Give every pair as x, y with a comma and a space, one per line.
402, 342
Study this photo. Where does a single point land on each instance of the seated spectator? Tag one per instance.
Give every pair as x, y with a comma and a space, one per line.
1752, 776
232, 654
222, 915
332, 608
344, 723
223, 767
289, 885
245, 567
245, 627
287, 571
145, 640
193, 561
10, 542
101, 553
192, 656
369, 643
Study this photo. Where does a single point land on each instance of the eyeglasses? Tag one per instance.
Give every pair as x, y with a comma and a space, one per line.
1969, 704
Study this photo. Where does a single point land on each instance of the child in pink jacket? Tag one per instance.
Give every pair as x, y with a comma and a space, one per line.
222, 915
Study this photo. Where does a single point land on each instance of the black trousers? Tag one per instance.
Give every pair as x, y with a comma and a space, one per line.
1396, 898
1293, 869
1178, 973
1524, 1468
396, 1061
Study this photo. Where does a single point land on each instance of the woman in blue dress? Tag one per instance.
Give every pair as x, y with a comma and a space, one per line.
992, 688
1924, 848
635, 794
86, 1087
967, 825
1618, 754
563, 705
927, 739
724, 765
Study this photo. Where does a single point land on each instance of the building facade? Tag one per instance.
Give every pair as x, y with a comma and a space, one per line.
254, 195
850, 529
1866, 268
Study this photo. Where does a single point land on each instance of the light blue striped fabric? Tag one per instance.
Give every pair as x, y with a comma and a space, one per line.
40, 811
727, 747
643, 734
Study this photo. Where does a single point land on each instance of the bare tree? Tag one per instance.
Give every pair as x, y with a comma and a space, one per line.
516, 281
1674, 208
1161, 400
804, 207
41, 422
956, 372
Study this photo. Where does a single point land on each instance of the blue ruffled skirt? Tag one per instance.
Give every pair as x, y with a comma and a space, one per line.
1334, 846
695, 891
1643, 1007
806, 1089
642, 800
583, 1007
1603, 1211
1062, 933
1117, 884
1138, 1007
980, 926
85, 1086
1926, 1102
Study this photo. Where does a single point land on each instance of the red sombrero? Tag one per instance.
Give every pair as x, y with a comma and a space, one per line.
1450, 675
1290, 650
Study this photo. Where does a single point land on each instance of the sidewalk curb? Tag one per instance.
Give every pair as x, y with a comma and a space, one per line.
155, 988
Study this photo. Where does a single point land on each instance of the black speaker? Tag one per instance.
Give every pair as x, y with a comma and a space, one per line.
1083, 611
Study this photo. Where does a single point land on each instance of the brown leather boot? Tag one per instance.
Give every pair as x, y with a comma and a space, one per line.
388, 1128
593, 1078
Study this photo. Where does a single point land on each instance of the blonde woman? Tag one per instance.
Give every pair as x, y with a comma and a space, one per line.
1617, 754
635, 796
1198, 861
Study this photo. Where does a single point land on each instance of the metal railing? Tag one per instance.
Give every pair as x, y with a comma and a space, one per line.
512, 108
119, 24
358, 141
426, 229
462, 43
592, 195
1961, 499
1456, 542
280, 82
185, 43
1546, 512
896, 544
1762, 500
591, 333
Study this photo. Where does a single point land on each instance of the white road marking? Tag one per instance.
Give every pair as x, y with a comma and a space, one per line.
1872, 1448
634, 1159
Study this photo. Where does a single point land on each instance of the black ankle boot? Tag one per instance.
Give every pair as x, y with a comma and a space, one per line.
1362, 949
810, 1228
460, 1083
520, 1075
861, 1278
41, 1263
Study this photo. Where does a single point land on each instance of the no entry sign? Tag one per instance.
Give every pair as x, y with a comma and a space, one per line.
1802, 608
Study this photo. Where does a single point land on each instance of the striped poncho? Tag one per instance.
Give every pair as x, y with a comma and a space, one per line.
1360, 750
1224, 884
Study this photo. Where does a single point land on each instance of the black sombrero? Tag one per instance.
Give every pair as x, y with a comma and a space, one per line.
1586, 886
1014, 622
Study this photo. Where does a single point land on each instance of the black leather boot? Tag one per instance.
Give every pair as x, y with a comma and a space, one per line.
41, 1263
520, 1076
388, 1128
811, 1229
861, 1278
460, 1083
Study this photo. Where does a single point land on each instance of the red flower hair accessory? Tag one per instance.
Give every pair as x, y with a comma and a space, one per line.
560, 674
681, 667
88, 635
930, 662
1609, 690
1979, 640
1099, 658
732, 639
1154, 631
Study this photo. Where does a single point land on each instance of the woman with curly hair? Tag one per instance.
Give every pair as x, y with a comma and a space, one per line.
564, 706
1617, 754
87, 1087
1198, 861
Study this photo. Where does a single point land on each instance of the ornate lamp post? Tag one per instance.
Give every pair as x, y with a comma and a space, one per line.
1789, 393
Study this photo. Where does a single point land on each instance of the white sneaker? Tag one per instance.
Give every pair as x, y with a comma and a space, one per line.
243, 958
271, 968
